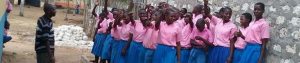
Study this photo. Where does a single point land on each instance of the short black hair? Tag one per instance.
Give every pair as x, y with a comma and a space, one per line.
221, 10
261, 5
48, 7
248, 16
114, 9
227, 8
184, 10
200, 22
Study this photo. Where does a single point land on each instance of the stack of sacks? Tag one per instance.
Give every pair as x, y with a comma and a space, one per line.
71, 36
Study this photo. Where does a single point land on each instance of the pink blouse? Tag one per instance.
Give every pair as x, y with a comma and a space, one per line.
257, 31
168, 34
138, 31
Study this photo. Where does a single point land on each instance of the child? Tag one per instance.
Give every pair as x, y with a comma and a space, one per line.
117, 44
122, 27
150, 39
185, 37
224, 37
99, 38
168, 48
44, 40
200, 39
240, 44
257, 37
138, 28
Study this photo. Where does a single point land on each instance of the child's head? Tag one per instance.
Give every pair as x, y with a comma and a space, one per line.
188, 17
143, 14
245, 19
259, 9
116, 13
200, 24
128, 17
183, 11
220, 13
226, 15
171, 17
49, 10
198, 9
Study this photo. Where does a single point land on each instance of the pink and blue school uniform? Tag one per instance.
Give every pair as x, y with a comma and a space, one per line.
106, 50
99, 39
149, 43
240, 44
121, 36
198, 54
136, 46
222, 35
257, 30
167, 38
185, 38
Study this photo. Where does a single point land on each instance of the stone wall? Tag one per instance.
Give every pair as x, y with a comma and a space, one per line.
283, 15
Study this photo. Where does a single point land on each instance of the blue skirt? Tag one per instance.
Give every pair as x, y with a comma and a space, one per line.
237, 55
184, 55
165, 54
133, 52
251, 53
197, 55
219, 54
142, 55
106, 50
98, 44
148, 57
117, 47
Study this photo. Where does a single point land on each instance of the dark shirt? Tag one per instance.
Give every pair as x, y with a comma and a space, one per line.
44, 33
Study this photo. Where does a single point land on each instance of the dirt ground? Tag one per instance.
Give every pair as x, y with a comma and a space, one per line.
21, 48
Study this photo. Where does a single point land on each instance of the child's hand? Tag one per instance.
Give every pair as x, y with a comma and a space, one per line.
237, 34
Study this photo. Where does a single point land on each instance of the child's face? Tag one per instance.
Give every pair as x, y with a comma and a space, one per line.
143, 16
172, 18
258, 11
243, 20
115, 13
227, 15
187, 17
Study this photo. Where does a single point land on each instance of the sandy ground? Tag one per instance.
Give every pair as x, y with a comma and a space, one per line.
21, 48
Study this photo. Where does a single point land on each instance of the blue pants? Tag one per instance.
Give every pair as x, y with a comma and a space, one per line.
197, 55
219, 54
165, 54
184, 55
98, 44
117, 51
251, 53
107, 46
6, 38
133, 52
237, 55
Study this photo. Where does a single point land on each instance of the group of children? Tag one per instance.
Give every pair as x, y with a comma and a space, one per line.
165, 34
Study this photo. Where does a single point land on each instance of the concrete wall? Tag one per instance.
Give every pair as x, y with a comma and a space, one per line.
283, 15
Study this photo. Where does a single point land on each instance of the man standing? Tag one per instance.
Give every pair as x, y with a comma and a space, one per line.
44, 41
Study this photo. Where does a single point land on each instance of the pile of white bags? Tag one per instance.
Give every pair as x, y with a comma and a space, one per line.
71, 36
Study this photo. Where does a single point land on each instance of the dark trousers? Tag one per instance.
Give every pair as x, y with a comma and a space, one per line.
43, 57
